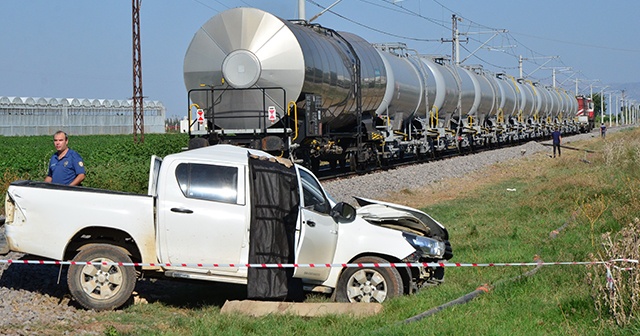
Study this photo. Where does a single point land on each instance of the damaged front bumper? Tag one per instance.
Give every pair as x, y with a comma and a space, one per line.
422, 276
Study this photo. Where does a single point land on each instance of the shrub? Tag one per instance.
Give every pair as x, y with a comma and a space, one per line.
616, 285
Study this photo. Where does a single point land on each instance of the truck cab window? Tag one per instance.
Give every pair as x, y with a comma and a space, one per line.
313, 197
208, 182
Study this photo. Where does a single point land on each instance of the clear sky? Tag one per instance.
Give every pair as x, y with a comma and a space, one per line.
83, 48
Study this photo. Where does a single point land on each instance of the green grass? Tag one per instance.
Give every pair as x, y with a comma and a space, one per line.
490, 224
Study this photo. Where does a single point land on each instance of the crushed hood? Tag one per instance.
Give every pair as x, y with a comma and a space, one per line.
383, 215
400, 217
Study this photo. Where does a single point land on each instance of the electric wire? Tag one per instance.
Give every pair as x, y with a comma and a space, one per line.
371, 28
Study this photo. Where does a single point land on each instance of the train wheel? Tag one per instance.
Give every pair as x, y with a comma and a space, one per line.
432, 148
353, 162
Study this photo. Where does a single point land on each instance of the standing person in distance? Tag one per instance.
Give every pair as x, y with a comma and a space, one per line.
66, 165
557, 139
603, 130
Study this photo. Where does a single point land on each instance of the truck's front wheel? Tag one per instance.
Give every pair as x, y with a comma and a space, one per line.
369, 284
99, 286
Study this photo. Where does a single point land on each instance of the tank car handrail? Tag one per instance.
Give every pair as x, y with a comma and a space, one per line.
295, 117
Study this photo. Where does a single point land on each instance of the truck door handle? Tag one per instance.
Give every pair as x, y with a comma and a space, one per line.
311, 223
181, 210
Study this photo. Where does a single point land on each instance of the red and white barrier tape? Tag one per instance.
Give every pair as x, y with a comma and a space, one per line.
347, 265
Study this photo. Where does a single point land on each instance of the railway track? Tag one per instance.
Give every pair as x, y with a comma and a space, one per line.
327, 174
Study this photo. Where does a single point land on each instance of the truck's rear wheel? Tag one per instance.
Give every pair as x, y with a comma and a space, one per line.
101, 287
369, 284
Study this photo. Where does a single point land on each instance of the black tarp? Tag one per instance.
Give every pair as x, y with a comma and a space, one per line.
274, 212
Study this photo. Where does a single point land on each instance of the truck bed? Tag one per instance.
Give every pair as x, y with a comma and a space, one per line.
47, 216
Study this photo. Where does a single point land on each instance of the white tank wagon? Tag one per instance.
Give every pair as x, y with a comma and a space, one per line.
568, 117
557, 108
542, 108
405, 89
443, 91
478, 101
316, 94
506, 105
22, 116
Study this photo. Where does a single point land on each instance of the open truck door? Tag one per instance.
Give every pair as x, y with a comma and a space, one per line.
317, 231
154, 172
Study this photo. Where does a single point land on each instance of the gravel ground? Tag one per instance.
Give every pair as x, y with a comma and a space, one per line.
30, 295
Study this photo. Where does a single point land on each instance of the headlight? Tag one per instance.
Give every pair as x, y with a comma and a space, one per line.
428, 246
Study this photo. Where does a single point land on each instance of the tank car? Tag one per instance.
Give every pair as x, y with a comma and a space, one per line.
318, 95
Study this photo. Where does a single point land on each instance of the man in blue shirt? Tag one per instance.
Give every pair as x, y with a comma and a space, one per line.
65, 166
557, 138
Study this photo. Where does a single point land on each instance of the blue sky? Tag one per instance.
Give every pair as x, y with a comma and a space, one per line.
83, 48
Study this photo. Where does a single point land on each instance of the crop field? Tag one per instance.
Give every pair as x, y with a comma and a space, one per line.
574, 208
112, 161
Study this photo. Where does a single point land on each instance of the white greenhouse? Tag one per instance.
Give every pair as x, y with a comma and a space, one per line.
77, 116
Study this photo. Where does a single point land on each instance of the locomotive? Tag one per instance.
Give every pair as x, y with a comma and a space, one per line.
586, 114
316, 95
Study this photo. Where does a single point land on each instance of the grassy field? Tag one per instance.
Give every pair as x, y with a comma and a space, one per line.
559, 211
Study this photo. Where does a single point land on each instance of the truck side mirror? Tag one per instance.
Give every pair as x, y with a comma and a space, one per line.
343, 212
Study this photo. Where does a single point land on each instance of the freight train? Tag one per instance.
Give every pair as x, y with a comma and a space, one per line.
316, 95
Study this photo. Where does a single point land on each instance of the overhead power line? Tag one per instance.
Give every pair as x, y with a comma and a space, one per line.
580, 44
371, 28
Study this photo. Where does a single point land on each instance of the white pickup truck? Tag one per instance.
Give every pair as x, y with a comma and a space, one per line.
220, 205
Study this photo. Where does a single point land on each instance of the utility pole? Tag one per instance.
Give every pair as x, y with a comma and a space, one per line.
138, 106
617, 110
610, 108
623, 106
455, 39
520, 68
301, 10
553, 72
602, 105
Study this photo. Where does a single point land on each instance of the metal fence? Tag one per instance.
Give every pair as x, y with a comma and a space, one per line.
45, 116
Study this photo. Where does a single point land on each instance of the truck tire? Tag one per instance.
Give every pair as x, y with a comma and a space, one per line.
369, 284
101, 287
